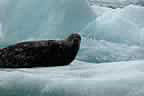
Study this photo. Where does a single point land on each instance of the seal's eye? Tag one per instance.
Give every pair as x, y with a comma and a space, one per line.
76, 41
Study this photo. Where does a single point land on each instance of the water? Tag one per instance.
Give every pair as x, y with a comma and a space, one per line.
110, 60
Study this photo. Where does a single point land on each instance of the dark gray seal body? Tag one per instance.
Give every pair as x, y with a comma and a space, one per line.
42, 53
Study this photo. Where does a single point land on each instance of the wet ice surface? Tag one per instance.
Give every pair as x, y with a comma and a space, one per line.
110, 60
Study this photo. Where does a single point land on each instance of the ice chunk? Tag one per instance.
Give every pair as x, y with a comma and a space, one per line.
116, 35
98, 51
47, 19
120, 25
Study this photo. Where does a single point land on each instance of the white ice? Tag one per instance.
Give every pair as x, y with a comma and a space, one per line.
78, 79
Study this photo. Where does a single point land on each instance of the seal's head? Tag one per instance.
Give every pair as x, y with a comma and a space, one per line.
75, 38
73, 43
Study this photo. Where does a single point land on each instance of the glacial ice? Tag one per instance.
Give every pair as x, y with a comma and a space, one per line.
110, 60
115, 35
47, 19
112, 26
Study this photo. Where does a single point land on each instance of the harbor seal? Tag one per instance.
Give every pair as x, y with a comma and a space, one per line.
42, 53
